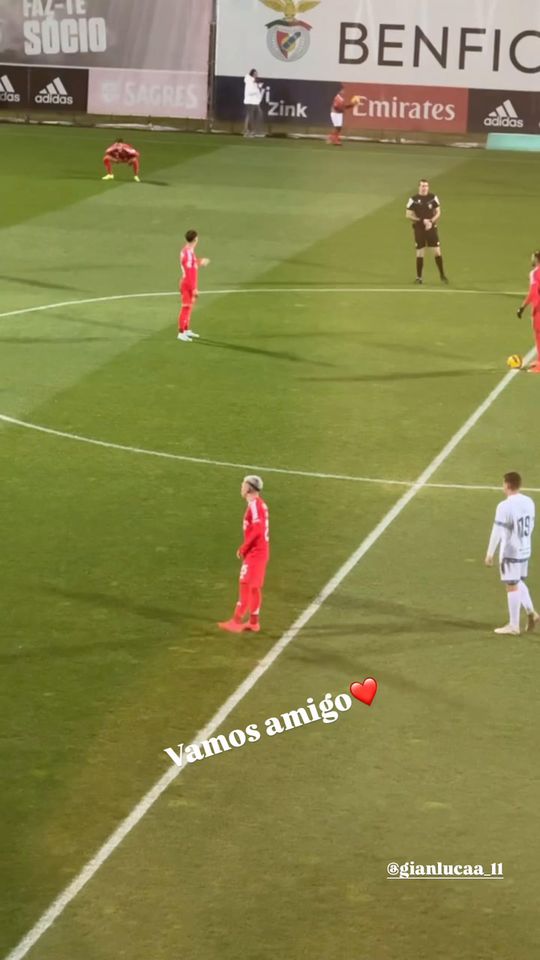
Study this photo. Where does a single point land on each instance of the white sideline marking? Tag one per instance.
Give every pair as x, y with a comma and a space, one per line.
246, 466
90, 869
445, 291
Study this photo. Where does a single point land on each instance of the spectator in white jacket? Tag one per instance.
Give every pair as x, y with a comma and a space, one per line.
253, 94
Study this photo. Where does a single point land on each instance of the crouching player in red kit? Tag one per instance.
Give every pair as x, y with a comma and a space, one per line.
533, 300
120, 152
189, 291
254, 554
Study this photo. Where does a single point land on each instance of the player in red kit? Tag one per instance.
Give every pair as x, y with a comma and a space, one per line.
120, 152
336, 115
189, 292
533, 300
254, 554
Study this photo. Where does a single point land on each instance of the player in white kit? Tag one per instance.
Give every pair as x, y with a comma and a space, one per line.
512, 532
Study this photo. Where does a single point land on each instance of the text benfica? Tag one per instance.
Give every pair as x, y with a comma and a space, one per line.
386, 43
397, 109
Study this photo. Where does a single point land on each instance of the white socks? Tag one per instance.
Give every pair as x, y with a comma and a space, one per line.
516, 599
514, 605
525, 597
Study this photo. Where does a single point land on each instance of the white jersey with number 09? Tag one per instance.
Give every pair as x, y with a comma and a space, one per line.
513, 527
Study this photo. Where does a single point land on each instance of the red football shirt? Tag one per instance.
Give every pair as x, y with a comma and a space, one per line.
533, 296
189, 264
338, 103
121, 151
256, 530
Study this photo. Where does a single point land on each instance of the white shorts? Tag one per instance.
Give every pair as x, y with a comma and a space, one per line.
337, 119
512, 571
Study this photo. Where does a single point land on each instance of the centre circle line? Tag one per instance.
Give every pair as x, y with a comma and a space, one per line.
206, 461
246, 290
318, 475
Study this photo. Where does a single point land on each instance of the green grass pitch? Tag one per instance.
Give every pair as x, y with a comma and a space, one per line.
323, 358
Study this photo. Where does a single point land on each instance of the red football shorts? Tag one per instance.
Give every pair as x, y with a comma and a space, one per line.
536, 319
253, 571
122, 159
188, 294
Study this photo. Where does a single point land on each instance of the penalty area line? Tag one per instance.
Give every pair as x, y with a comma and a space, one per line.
63, 900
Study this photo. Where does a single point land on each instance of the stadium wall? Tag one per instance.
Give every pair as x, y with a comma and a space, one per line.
94, 57
423, 67
434, 72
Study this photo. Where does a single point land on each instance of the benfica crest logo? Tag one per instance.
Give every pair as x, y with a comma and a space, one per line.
288, 38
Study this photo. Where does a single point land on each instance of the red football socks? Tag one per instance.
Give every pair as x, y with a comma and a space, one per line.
183, 319
255, 604
243, 602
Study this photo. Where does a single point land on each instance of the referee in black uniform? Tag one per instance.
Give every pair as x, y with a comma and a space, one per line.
424, 210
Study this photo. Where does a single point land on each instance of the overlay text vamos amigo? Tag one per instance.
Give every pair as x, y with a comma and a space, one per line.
328, 710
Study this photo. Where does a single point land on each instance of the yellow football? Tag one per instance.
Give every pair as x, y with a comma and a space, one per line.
356, 99
515, 362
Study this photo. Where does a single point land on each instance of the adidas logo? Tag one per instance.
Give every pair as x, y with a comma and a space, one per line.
503, 116
54, 92
7, 91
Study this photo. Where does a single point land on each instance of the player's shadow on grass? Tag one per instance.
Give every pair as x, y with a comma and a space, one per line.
358, 334
411, 622
308, 285
42, 284
97, 599
117, 180
417, 350
401, 375
100, 267
50, 341
272, 354
93, 322
393, 618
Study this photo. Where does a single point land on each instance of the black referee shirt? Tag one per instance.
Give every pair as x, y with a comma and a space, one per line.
424, 207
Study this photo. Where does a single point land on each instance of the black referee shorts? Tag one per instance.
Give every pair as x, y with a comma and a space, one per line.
425, 238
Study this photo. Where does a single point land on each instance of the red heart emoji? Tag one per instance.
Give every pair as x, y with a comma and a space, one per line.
365, 692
